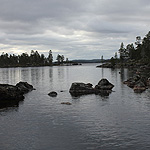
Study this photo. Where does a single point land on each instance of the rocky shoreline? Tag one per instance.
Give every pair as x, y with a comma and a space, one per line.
130, 64
140, 81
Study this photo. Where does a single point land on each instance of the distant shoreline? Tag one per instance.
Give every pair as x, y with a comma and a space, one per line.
70, 63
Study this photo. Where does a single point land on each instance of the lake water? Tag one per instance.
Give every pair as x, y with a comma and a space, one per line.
118, 122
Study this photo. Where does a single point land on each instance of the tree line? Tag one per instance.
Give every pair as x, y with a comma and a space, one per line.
140, 52
32, 59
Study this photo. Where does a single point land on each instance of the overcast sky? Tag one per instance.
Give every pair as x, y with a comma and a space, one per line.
77, 29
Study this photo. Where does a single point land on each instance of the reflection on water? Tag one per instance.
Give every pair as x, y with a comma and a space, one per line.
5, 110
120, 121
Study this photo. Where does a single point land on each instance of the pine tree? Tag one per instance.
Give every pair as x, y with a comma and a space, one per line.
122, 51
50, 58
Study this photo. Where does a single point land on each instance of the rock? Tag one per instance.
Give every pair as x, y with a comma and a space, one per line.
144, 80
148, 81
79, 88
105, 65
103, 88
136, 78
24, 87
104, 84
138, 83
139, 87
103, 92
53, 94
131, 82
89, 85
10, 94
66, 103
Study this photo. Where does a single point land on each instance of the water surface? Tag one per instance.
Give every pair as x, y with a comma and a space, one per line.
118, 122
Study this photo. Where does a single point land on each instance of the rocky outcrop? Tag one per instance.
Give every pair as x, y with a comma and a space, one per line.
138, 83
10, 94
103, 88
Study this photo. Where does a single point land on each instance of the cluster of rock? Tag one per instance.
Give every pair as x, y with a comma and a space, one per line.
138, 83
10, 94
103, 88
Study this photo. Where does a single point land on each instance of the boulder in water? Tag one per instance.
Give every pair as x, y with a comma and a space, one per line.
24, 87
10, 94
103, 88
104, 84
53, 94
79, 88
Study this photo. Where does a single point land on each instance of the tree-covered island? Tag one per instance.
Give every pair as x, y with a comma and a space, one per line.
32, 59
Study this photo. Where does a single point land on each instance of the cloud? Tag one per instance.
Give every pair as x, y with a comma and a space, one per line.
76, 29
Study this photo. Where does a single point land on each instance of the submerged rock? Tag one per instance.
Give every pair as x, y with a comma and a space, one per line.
103, 88
66, 103
52, 94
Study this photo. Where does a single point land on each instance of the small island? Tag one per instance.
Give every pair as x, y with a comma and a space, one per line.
34, 59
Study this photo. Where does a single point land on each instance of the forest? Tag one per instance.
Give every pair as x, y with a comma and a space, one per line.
140, 52
34, 59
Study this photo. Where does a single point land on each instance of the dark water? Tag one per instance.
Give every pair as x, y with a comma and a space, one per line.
118, 122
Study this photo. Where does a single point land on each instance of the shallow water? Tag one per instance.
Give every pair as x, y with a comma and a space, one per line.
118, 122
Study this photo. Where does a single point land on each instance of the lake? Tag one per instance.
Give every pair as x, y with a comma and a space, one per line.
118, 122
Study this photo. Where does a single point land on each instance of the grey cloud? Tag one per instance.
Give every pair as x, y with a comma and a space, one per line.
76, 28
